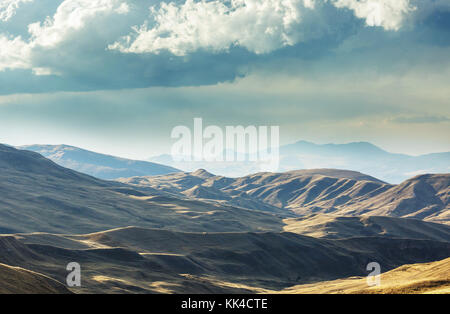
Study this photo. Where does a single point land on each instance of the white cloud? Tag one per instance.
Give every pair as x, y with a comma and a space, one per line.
70, 17
14, 53
388, 14
260, 26
8, 8
183, 27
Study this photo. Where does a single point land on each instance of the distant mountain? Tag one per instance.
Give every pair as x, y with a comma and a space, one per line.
360, 156
364, 157
306, 192
37, 195
98, 165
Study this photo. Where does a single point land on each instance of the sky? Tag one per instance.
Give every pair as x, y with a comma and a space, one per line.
116, 76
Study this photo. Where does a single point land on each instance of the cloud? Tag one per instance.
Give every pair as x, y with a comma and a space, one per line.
8, 8
63, 45
421, 119
70, 17
259, 26
14, 53
388, 14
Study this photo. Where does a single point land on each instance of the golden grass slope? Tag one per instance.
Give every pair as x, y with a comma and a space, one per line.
426, 278
16, 280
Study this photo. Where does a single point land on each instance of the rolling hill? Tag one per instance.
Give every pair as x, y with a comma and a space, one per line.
306, 192
424, 197
268, 191
98, 165
38, 195
138, 260
341, 227
16, 280
423, 278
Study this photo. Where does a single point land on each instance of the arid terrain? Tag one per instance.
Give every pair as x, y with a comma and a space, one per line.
425, 278
304, 192
150, 260
21, 281
311, 231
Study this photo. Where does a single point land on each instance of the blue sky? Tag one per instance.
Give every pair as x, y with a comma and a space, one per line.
117, 75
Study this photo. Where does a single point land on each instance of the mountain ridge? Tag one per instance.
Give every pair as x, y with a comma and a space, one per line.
306, 192
96, 164
40, 196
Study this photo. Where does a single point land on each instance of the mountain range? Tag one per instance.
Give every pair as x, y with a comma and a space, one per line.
37, 195
359, 156
306, 192
202, 233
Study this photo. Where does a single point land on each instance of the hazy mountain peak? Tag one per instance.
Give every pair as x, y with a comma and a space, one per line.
352, 146
99, 165
361, 156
